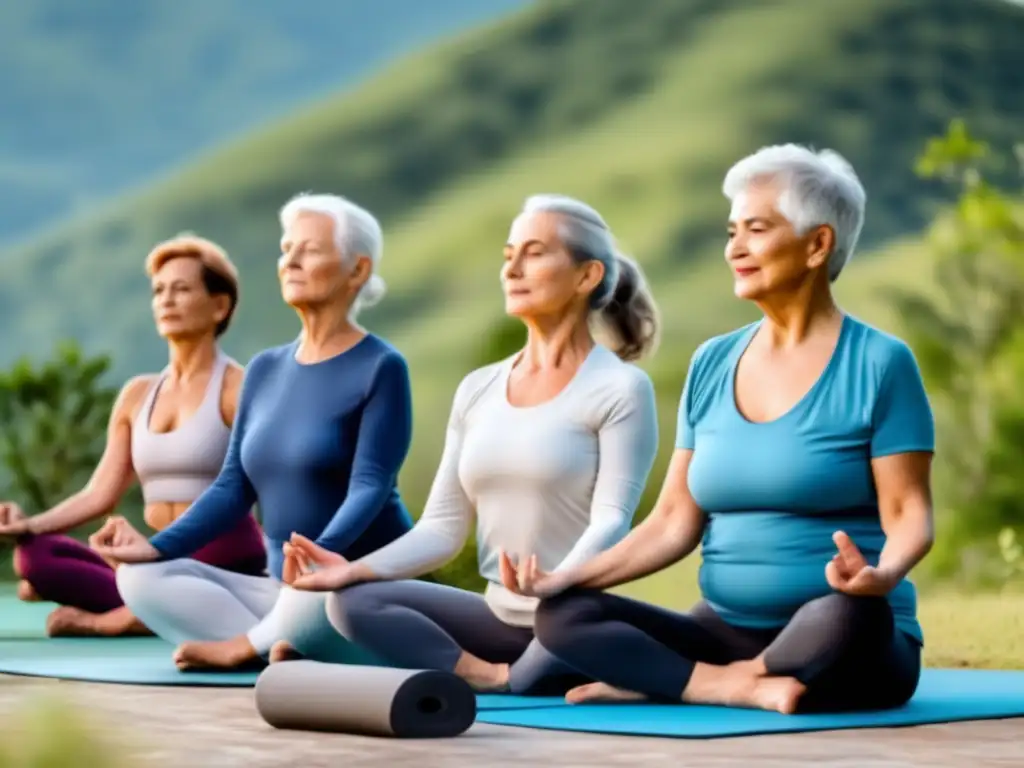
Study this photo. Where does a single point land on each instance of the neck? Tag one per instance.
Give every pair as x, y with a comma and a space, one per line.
325, 331
793, 315
551, 341
190, 357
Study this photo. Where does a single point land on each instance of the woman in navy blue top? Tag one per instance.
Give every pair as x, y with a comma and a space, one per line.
323, 428
802, 466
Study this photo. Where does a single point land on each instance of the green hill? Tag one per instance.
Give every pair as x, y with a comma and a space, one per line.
637, 107
101, 94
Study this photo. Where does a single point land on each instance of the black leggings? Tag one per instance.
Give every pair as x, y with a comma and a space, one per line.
418, 625
845, 650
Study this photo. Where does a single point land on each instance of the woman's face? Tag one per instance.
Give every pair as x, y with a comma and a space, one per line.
766, 254
539, 276
311, 268
182, 307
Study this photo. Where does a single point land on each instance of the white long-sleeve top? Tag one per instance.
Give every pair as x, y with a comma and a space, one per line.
560, 480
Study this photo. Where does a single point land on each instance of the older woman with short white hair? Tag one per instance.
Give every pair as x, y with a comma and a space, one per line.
802, 465
324, 425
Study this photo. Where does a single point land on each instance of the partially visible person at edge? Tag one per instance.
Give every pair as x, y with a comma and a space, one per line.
169, 431
324, 426
802, 465
548, 451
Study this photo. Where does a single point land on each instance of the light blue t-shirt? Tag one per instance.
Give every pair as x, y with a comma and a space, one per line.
775, 492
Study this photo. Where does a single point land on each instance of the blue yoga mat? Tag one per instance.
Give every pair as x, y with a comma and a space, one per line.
147, 661
132, 661
945, 695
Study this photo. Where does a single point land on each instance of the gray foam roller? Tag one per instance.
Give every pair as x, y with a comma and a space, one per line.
373, 701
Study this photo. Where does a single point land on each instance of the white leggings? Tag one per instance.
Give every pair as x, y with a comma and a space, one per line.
186, 600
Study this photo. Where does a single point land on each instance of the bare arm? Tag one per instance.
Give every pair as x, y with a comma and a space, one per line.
111, 478
230, 391
905, 503
670, 532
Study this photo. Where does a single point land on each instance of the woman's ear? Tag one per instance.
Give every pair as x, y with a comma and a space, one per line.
820, 246
590, 279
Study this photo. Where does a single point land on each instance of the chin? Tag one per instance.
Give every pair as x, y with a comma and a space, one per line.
293, 298
748, 290
515, 308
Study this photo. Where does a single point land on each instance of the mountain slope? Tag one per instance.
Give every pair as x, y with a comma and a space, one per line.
638, 108
102, 94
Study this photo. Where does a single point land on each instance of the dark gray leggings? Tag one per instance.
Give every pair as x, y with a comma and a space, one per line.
846, 650
420, 625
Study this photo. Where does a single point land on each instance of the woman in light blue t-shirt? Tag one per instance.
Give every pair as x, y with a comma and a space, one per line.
802, 465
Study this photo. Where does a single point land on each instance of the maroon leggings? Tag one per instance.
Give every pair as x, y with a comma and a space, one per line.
64, 571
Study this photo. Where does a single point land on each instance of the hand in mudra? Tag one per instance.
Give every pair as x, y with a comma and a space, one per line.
849, 571
528, 579
118, 542
13, 521
310, 567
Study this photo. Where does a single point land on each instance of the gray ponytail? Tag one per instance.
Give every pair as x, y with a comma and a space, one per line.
623, 300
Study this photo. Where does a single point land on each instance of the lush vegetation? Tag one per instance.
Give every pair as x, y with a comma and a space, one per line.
969, 337
102, 95
638, 108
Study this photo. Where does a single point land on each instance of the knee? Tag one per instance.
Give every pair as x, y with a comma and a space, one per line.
29, 555
347, 607
558, 618
846, 619
139, 582
848, 610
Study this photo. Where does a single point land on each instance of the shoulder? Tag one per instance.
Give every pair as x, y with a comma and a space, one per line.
134, 391
266, 359
715, 356
476, 383
721, 349
621, 379
878, 353
387, 357
234, 372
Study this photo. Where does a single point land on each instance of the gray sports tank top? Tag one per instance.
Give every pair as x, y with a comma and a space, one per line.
178, 466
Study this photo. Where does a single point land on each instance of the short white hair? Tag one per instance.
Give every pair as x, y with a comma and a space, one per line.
586, 235
356, 232
817, 188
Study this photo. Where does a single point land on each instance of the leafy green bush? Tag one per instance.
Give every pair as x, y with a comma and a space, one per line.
969, 338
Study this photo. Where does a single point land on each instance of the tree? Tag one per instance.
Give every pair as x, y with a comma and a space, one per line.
968, 336
53, 421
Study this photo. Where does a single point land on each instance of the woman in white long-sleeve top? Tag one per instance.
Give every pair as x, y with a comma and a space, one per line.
548, 450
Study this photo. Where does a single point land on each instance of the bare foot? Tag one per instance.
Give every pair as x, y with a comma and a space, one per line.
601, 692
27, 593
481, 675
282, 651
235, 653
66, 621
777, 694
739, 685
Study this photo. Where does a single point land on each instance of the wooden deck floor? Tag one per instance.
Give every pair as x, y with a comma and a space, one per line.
220, 728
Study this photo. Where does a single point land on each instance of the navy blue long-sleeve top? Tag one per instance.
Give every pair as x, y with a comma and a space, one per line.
318, 447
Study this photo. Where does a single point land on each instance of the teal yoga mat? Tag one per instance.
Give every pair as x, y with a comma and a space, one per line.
127, 660
147, 661
944, 695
